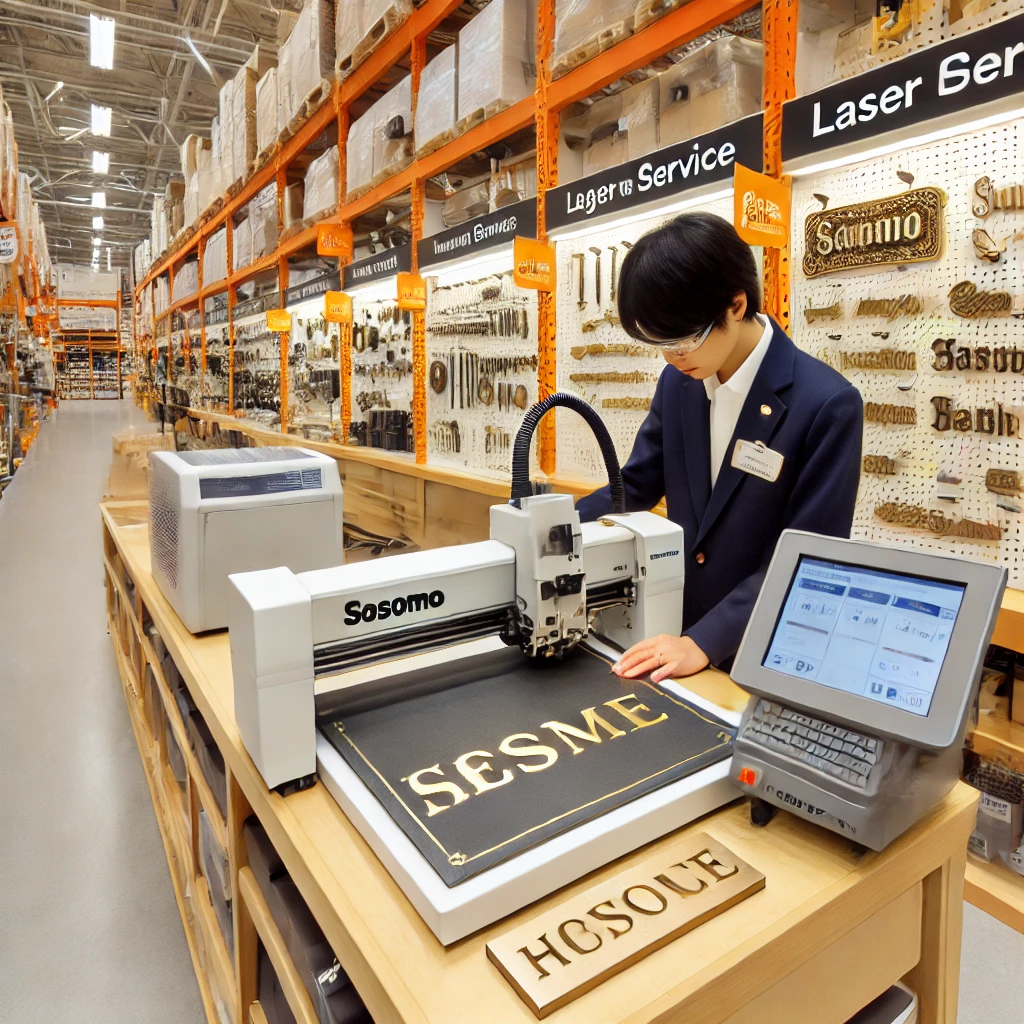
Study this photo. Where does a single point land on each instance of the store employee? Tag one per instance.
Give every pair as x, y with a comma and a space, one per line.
691, 288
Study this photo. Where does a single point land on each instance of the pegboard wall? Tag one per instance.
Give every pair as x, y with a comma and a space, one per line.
583, 327
313, 369
940, 471
481, 369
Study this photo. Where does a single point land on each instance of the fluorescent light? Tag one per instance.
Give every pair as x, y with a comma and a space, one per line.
99, 199
101, 120
108, 259
96, 243
101, 42
53, 92
97, 223
100, 162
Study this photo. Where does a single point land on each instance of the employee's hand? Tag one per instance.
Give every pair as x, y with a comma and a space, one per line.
663, 656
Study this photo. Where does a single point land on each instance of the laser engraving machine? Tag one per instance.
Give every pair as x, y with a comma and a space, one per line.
863, 662
543, 583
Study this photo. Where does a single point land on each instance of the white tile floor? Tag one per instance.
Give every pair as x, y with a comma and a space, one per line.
90, 931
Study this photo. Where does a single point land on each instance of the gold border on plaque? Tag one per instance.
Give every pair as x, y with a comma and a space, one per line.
927, 203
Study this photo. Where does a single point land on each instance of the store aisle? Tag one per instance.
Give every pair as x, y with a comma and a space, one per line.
89, 929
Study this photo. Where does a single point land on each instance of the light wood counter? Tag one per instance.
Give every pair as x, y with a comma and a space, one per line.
833, 927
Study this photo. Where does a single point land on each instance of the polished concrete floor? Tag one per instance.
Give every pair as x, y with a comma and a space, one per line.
89, 930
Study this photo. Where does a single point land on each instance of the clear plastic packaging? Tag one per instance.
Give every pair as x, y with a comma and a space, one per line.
241, 245
392, 132
186, 280
266, 111
497, 59
243, 113
362, 25
359, 155
713, 86
585, 28
263, 219
311, 56
321, 192
436, 111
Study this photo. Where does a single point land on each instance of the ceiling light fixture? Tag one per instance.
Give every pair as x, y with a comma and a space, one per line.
96, 243
97, 223
101, 42
218, 81
99, 199
101, 118
100, 162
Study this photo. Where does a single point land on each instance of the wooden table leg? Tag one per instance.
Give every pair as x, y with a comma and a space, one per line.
936, 978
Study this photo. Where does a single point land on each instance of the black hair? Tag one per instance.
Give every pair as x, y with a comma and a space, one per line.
683, 276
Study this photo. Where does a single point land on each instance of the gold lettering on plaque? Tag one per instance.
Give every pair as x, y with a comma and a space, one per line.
833, 312
1003, 481
879, 465
891, 309
593, 720
915, 517
905, 228
904, 415
642, 404
425, 789
883, 359
984, 420
966, 301
571, 947
989, 198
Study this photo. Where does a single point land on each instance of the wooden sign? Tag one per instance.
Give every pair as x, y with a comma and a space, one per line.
412, 292
1003, 481
760, 208
8, 242
533, 264
571, 948
334, 240
880, 359
904, 415
915, 517
279, 320
879, 465
338, 308
905, 228
966, 301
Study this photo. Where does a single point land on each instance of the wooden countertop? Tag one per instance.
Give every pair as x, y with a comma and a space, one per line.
819, 888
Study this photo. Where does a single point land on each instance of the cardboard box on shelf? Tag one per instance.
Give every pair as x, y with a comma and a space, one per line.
393, 131
310, 56
243, 129
585, 28
362, 25
267, 129
437, 107
292, 207
321, 191
359, 153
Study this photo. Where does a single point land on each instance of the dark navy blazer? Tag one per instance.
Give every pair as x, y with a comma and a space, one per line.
729, 534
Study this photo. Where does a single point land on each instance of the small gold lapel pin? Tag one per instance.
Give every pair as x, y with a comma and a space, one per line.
766, 410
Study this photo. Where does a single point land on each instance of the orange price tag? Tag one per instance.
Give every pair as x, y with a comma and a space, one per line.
760, 208
533, 264
412, 292
279, 320
338, 308
334, 240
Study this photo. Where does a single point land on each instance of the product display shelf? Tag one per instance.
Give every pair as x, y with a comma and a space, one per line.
997, 890
781, 955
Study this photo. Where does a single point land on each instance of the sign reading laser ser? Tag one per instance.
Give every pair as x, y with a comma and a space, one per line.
572, 947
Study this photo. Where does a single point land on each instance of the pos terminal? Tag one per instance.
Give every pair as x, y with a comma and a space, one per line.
863, 662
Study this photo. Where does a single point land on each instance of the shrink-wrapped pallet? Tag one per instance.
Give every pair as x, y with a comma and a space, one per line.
436, 107
472, 200
243, 129
215, 258
713, 86
585, 28
359, 155
497, 59
267, 128
191, 149
263, 218
361, 26
392, 133
321, 191
186, 281
241, 245
616, 128
310, 56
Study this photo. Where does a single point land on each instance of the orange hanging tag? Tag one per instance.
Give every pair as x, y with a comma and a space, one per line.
760, 208
533, 264
412, 292
338, 308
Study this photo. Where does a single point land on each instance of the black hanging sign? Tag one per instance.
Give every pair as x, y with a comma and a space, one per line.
330, 282
378, 267
943, 79
661, 175
481, 234
248, 307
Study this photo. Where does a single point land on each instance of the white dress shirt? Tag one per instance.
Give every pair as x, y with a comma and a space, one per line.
727, 399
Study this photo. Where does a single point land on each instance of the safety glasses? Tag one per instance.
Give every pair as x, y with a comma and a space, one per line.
679, 346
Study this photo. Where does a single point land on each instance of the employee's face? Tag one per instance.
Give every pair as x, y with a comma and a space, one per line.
707, 360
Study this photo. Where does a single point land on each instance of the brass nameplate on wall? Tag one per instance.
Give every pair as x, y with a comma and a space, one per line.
1003, 481
904, 415
881, 359
879, 465
915, 517
905, 228
569, 949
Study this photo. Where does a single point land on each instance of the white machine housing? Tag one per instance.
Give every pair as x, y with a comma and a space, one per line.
287, 629
228, 510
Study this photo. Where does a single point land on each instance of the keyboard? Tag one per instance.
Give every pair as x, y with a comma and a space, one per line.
841, 753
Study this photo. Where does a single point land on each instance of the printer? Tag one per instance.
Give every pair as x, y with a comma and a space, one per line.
225, 510
863, 662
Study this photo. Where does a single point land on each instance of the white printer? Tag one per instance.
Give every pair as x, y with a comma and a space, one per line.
227, 510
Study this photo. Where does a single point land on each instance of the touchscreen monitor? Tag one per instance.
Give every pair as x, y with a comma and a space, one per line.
876, 634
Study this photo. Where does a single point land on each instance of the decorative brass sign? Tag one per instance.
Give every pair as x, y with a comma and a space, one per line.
914, 517
879, 465
905, 228
833, 312
572, 947
612, 377
986, 247
966, 301
891, 309
626, 403
904, 415
1003, 481
990, 198
883, 359
617, 348
983, 420
949, 353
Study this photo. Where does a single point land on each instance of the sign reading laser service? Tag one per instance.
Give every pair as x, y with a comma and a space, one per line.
661, 175
973, 69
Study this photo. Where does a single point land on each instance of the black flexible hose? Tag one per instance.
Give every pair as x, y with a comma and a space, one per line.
521, 487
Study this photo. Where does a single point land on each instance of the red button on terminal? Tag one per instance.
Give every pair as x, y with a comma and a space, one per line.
748, 776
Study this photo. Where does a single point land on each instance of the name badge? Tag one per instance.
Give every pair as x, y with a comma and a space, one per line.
755, 458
